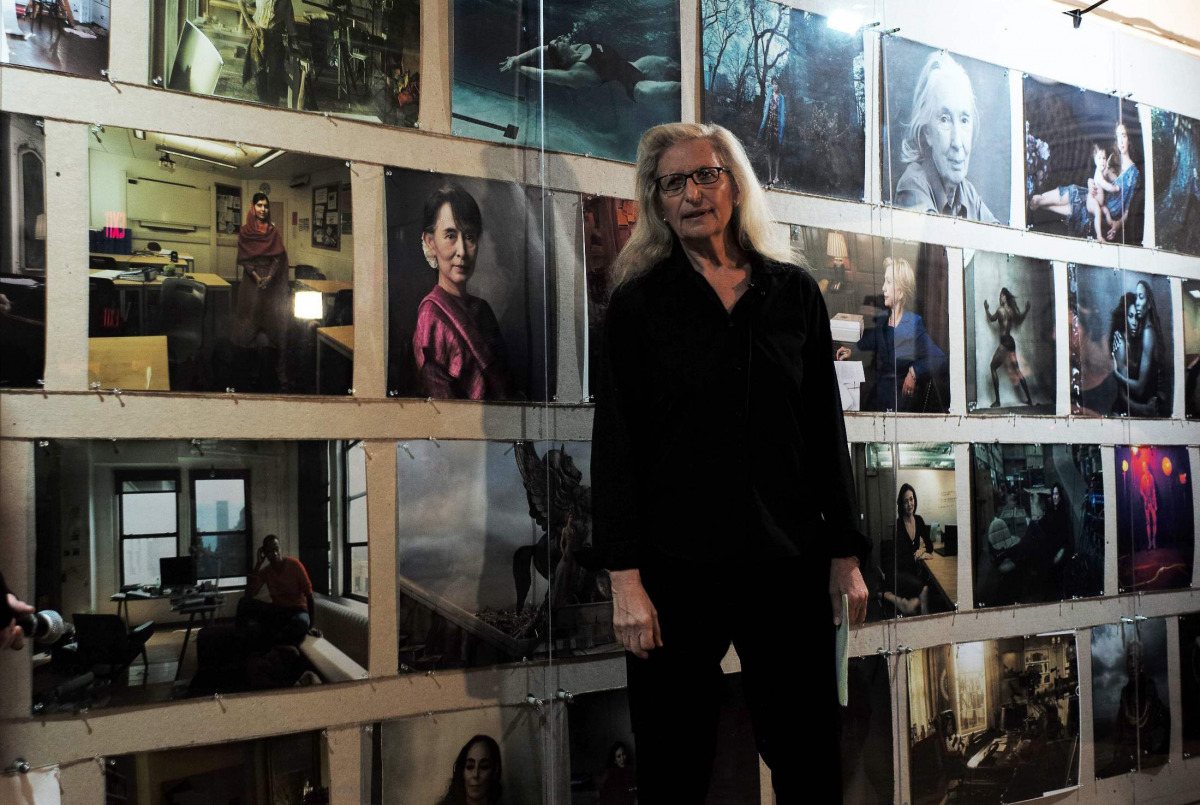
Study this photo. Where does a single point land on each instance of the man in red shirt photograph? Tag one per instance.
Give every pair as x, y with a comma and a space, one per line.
288, 616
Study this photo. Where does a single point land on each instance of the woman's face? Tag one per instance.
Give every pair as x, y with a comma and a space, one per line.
1055, 497
477, 772
454, 251
1132, 322
889, 289
698, 212
262, 209
619, 757
1122, 139
1143, 305
908, 502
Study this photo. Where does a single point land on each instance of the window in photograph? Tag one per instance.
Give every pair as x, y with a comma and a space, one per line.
947, 133
564, 76
221, 531
355, 582
356, 59
764, 64
22, 251
204, 274
1084, 168
148, 508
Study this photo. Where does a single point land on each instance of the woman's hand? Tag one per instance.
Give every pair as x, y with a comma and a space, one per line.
842, 353
845, 577
910, 382
920, 553
508, 64
635, 620
1113, 231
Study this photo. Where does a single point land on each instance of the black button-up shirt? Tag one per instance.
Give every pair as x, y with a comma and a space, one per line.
718, 435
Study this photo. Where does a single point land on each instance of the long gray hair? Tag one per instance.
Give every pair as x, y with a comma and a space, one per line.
652, 239
925, 108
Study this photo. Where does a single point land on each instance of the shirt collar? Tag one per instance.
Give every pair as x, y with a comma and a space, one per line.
677, 265
938, 191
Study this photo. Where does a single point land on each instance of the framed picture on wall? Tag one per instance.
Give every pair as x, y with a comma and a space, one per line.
326, 233
229, 210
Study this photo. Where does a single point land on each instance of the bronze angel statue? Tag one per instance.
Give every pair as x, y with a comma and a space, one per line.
562, 506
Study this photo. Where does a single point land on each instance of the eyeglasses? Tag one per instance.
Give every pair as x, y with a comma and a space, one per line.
673, 183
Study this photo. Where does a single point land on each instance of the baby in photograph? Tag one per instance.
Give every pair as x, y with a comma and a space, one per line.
1098, 186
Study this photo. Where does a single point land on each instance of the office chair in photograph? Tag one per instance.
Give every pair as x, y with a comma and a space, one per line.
181, 319
197, 65
343, 309
104, 308
107, 646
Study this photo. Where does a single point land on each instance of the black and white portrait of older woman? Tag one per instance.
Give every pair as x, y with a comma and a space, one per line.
946, 138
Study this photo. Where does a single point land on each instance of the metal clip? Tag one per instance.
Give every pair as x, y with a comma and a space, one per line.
535, 702
564, 696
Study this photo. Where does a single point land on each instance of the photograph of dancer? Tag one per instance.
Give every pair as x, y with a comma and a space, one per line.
1155, 528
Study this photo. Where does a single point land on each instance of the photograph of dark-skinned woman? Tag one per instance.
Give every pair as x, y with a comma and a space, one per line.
717, 358
908, 364
459, 351
1139, 361
264, 299
477, 775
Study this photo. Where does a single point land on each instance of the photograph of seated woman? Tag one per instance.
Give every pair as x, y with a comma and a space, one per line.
1030, 558
619, 784
1139, 359
457, 344
1076, 185
908, 365
264, 299
907, 581
477, 776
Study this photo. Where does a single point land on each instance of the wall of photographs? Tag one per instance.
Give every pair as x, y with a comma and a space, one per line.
428, 461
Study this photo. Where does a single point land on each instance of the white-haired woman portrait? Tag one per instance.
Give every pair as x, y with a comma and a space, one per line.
937, 144
725, 506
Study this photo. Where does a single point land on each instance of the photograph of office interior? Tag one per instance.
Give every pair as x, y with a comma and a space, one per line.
194, 567
67, 36
218, 267
349, 58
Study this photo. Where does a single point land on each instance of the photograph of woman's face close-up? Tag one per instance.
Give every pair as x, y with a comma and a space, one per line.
1122, 343
887, 301
469, 289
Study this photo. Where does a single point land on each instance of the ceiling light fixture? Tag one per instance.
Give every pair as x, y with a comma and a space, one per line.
186, 155
270, 155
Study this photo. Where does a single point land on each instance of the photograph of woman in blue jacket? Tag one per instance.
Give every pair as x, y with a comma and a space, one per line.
774, 116
906, 357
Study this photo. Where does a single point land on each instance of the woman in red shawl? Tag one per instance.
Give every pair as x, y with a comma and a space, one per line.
263, 304
457, 344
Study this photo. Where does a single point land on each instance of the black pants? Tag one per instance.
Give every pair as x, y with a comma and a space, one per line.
778, 616
277, 624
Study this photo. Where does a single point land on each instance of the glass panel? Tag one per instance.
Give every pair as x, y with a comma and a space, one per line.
221, 555
141, 557
1129, 697
451, 756
220, 504
33, 200
153, 513
356, 520
356, 470
359, 580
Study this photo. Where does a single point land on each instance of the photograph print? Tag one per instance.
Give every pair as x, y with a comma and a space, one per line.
1155, 526
1122, 343
1010, 334
1084, 173
487, 755
1189, 682
62, 37
1038, 523
887, 300
1131, 709
946, 136
603, 73
866, 735
607, 225
470, 289
793, 91
491, 548
995, 721
1175, 144
22, 251
1191, 347
358, 59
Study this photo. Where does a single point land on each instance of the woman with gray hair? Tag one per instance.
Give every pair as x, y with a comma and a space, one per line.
725, 506
937, 144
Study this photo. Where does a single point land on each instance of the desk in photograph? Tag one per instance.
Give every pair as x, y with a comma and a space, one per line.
195, 605
133, 363
944, 570
326, 286
215, 287
341, 341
